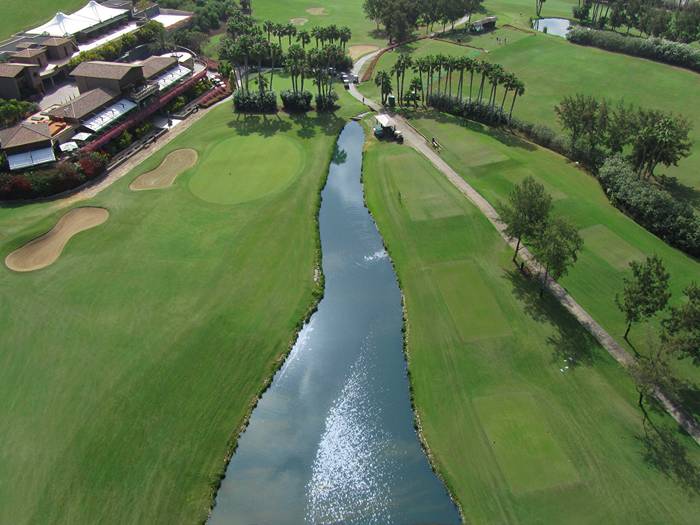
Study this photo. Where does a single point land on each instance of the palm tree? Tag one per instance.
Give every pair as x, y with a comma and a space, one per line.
317, 33
439, 63
268, 26
279, 31
290, 30
475, 67
414, 88
383, 81
275, 51
495, 78
518, 91
345, 35
421, 65
485, 71
303, 37
509, 80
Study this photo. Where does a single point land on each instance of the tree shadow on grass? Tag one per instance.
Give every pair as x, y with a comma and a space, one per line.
572, 345
679, 190
269, 125
500, 134
663, 451
688, 396
265, 125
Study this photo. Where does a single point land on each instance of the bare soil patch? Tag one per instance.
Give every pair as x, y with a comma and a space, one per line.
317, 11
299, 21
360, 50
175, 163
46, 249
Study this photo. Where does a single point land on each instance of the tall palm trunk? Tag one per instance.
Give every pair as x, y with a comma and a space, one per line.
512, 105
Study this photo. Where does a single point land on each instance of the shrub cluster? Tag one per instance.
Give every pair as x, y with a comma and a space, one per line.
326, 101
472, 110
296, 100
63, 176
655, 209
255, 102
657, 49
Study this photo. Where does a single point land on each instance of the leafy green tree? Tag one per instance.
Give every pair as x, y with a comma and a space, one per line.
644, 294
659, 138
556, 246
681, 329
526, 211
651, 373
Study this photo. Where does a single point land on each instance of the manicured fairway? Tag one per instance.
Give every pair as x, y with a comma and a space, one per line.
321, 12
611, 239
553, 68
518, 440
128, 365
25, 14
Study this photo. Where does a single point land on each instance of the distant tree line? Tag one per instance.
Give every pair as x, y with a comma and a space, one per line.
674, 53
401, 17
678, 21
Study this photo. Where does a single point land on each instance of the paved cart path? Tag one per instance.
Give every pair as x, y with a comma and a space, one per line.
415, 140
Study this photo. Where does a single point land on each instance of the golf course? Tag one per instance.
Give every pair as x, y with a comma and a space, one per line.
283, 315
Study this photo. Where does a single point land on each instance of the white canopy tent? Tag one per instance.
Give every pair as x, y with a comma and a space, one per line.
31, 158
108, 115
92, 14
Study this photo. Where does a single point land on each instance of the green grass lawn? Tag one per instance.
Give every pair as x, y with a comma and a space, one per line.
519, 12
517, 439
129, 364
211, 47
339, 12
493, 162
553, 68
18, 15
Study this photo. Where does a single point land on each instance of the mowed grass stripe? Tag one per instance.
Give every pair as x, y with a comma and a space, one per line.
578, 457
597, 276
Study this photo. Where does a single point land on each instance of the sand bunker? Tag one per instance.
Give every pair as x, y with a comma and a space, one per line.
317, 11
299, 21
360, 50
174, 164
45, 250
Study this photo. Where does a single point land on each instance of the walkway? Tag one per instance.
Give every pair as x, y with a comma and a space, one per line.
414, 139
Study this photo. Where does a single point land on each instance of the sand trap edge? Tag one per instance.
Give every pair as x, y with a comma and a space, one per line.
191, 161
20, 268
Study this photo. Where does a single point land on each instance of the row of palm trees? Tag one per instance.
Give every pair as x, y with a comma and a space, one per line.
437, 74
322, 35
314, 63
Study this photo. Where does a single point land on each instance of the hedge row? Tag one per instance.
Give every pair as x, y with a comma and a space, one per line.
658, 49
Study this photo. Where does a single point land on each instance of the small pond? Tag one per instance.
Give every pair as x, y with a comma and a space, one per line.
552, 26
332, 440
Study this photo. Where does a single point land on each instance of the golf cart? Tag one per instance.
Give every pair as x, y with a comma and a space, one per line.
386, 129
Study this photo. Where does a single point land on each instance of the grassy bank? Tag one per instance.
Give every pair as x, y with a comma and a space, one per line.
517, 439
493, 162
128, 364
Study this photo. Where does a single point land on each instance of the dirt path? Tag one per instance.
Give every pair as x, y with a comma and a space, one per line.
414, 139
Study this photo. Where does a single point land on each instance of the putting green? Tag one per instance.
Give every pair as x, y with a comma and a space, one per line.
526, 450
245, 168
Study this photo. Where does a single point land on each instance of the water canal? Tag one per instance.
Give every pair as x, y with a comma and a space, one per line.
332, 440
